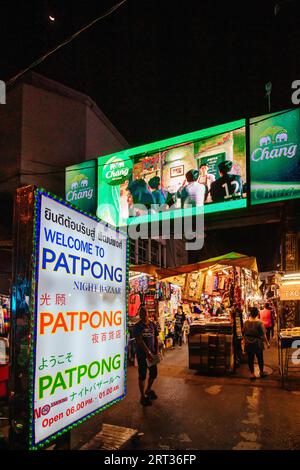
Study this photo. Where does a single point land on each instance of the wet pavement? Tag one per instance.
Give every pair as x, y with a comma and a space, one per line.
207, 413
204, 412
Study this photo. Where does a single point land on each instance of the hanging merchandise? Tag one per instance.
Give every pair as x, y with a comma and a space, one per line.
4, 315
209, 284
193, 286
134, 302
1, 321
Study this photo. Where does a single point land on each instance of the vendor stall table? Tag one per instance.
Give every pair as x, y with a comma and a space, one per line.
287, 346
211, 347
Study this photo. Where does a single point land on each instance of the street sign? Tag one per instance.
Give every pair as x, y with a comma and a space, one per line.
78, 308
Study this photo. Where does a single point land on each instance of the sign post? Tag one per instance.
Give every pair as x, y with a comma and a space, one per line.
77, 319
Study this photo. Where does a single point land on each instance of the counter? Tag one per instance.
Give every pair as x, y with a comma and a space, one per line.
211, 347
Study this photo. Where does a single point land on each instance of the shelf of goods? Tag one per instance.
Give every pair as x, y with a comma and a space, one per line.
288, 343
211, 347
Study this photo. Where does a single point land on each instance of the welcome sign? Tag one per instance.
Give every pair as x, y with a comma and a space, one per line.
79, 303
275, 157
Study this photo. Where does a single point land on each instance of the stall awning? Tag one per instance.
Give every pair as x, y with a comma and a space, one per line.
229, 259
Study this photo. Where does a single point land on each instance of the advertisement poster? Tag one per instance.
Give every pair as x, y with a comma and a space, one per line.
80, 185
205, 174
79, 340
275, 157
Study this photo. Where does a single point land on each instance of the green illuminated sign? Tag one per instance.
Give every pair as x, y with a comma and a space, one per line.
274, 157
149, 182
116, 171
80, 185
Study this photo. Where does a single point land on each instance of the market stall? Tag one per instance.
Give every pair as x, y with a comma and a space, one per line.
161, 299
4, 344
215, 297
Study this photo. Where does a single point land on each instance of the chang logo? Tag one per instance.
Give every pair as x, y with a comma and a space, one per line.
116, 171
79, 189
274, 143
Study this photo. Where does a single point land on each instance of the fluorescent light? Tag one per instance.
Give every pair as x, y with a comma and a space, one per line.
291, 283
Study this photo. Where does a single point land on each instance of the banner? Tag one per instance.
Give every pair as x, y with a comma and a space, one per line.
289, 292
275, 157
79, 324
201, 172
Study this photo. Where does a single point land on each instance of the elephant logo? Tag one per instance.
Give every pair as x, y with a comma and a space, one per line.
84, 182
281, 137
265, 141
74, 185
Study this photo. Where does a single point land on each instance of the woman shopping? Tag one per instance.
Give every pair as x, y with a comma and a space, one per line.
255, 336
179, 321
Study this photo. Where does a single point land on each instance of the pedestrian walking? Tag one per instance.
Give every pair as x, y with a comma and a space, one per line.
179, 322
255, 335
146, 334
266, 318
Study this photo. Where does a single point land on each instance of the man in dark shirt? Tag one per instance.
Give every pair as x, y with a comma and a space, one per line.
228, 186
140, 193
145, 333
158, 194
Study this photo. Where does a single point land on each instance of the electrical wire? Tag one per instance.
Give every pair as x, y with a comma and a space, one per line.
64, 43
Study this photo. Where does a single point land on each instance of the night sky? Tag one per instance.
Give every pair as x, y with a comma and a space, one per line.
159, 68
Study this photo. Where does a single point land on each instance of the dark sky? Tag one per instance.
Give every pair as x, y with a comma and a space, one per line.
159, 68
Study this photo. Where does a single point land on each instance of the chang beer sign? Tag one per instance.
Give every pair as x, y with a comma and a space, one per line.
114, 174
80, 187
274, 157
116, 171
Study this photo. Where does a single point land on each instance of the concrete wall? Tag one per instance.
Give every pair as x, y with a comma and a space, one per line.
61, 128
53, 136
10, 140
101, 137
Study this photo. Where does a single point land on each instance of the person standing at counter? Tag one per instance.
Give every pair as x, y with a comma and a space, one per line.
207, 179
158, 194
191, 192
145, 333
228, 185
179, 321
255, 335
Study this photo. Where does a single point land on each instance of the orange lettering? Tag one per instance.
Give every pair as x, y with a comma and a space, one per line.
118, 317
106, 318
60, 323
72, 315
83, 318
96, 314
43, 321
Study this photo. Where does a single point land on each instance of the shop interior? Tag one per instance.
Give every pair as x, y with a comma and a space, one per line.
4, 343
215, 294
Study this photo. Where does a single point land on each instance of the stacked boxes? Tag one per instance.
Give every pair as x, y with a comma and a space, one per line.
211, 352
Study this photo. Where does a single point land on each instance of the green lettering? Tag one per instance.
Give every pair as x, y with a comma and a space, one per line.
107, 366
116, 362
44, 383
70, 372
80, 374
58, 382
97, 371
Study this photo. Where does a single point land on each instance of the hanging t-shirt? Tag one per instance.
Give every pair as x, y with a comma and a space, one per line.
134, 303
